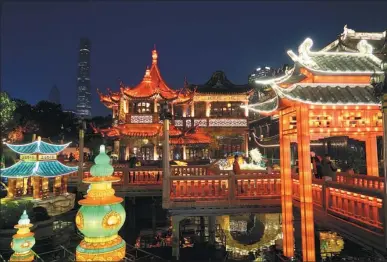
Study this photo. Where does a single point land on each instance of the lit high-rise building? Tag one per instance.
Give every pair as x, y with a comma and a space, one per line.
262, 73
83, 80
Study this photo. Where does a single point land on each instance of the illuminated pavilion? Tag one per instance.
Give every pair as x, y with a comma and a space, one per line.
325, 94
202, 114
37, 169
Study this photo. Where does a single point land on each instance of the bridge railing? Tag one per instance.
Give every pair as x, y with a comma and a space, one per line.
358, 205
225, 187
371, 182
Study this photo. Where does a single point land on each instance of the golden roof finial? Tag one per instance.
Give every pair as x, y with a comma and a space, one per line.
154, 55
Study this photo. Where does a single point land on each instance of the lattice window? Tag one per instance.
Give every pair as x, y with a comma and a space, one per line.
228, 122
143, 107
353, 119
141, 119
188, 123
178, 122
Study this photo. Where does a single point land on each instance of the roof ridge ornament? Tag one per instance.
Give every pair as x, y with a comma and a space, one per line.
364, 47
304, 48
154, 55
147, 76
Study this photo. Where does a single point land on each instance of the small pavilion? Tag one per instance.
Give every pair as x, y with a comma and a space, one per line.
324, 94
38, 164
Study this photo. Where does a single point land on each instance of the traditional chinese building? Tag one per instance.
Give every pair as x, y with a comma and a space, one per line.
198, 111
39, 174
325, 94
265, 126
217, 108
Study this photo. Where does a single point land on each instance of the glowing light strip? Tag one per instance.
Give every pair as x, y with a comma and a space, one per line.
37, 150
294, 86
305, 46
276, 80
282, 93
249, 107
277, 145
36, 169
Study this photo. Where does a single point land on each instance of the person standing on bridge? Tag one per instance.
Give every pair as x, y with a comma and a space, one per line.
328, 169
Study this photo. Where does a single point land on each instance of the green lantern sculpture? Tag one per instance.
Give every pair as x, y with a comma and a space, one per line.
101, 215
23, 240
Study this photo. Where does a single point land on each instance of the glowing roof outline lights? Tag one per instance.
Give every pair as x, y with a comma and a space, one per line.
283, 92
250, 107
280, 79
37, 169
36, 147
305, 57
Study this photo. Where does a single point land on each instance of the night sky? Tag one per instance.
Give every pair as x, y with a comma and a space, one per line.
40, 41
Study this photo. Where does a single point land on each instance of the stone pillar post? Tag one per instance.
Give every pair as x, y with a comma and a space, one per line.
154, 217
176, 236
212, 229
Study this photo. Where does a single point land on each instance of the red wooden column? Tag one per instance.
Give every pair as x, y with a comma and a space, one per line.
372, 155
286, 189
305, 176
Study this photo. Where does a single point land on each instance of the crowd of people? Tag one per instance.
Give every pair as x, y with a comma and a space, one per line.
323, 168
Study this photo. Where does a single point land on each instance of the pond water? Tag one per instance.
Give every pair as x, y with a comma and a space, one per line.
245, 237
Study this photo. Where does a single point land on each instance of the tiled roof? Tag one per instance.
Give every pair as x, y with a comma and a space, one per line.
40, 168
267, 106
343, 63
40, 147
330, 93
219, 84
362, 62
349, 40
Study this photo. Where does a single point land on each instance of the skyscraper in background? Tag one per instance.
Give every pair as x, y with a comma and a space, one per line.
83, 80
54, 95
263, 73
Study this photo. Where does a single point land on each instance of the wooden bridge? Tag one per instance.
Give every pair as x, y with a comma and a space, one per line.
352, 206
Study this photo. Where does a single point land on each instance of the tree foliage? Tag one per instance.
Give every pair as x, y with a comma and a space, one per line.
7, 108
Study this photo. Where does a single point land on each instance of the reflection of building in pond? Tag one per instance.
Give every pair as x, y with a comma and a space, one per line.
330, 244
198, 110
262, 230
36, 173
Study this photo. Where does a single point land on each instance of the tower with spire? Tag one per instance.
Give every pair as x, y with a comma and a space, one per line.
101, 215
23, 240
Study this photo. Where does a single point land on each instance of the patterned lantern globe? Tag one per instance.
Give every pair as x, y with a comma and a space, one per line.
23, 240
101, 215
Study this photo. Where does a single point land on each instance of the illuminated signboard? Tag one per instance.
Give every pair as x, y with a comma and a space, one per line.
28, 157
47, 157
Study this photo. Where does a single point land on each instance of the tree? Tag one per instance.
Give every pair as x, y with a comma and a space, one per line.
49, 116
7, 108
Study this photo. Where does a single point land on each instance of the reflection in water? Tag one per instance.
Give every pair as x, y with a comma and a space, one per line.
330, 244
260, 232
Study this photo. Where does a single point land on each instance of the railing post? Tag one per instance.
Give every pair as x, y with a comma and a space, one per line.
324, 200
231, 186
125, 177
